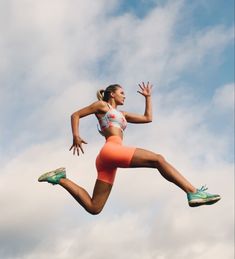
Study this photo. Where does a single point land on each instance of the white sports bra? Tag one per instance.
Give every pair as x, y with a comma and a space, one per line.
112, 118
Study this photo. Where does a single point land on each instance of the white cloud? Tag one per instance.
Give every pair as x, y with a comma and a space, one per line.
196, 49
54, 56
143, 210
223, 98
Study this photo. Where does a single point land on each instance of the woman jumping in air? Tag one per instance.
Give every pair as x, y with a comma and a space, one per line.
114, 154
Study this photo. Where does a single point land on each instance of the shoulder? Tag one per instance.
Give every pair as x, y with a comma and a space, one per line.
94, 108
99, 106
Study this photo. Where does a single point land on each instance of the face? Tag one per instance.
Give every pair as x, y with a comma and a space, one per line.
119, 96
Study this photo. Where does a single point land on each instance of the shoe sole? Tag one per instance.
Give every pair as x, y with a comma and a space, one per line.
199, 202
44, 177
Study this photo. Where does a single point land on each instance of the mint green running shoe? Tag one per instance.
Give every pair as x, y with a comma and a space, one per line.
54, 176
202, 198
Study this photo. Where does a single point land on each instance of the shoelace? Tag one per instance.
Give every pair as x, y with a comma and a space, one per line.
203, 188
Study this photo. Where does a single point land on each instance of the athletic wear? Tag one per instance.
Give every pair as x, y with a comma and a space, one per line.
202, 198
112, 118
54, 176
111, 156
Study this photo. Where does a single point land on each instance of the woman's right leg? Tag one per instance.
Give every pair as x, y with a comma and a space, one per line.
94, 204
196, 197
145, 158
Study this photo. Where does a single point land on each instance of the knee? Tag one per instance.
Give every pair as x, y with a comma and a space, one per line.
94, 210
159, 160
156, 161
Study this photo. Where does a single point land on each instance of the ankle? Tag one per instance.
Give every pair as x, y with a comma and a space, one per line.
62, 181
191, 190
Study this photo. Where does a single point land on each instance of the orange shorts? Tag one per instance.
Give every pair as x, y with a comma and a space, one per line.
113, 155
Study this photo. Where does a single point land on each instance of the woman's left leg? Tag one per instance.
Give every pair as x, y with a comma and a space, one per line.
145, 158
94, 204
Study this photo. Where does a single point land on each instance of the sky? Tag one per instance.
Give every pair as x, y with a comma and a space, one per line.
55, 55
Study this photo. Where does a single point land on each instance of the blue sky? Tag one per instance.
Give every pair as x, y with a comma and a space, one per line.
55, 55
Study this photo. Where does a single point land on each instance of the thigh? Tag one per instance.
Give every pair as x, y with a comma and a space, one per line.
144, 158
105, 171
115, 155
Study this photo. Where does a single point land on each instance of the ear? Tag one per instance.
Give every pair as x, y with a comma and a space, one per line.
112, 94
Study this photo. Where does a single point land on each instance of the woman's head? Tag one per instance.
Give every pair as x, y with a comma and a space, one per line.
105, 95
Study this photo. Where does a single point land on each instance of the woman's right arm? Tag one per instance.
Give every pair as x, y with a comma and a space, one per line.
75, 118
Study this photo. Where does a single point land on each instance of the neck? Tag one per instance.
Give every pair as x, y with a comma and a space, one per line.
112, 103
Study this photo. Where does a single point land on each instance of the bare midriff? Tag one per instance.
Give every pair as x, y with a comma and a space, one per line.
113, 131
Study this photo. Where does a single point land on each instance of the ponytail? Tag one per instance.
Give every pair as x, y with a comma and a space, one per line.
100, 94
104, 95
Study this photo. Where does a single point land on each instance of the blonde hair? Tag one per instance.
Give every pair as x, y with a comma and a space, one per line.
100, 94
104, 95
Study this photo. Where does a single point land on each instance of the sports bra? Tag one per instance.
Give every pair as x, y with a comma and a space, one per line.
112, 118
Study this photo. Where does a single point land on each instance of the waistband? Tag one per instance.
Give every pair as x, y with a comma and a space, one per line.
114, 139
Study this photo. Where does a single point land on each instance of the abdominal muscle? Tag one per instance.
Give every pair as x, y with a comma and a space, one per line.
113, 131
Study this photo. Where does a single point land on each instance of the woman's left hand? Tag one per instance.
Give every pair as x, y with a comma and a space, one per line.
145, 89
77, 145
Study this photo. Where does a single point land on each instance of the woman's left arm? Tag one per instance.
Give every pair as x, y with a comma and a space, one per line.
145, 90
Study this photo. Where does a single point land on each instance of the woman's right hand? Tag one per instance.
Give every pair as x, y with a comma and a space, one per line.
77, 144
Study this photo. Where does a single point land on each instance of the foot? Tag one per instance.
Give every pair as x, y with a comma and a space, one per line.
200, 197
54, 176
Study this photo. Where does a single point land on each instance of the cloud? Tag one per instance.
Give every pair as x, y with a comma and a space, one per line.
55, 55
138, 218
195, 49
223, 98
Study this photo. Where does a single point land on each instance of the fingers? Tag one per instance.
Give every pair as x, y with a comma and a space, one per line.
81, 149
145, 89
141, 87
144, 86
80, 146
76, 148
148, 86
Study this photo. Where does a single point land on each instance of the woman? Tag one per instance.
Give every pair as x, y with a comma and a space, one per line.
113, 154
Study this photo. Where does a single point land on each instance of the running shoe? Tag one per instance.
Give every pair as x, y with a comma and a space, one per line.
200, 197
54, 176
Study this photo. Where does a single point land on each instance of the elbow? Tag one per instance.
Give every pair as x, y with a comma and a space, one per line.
149, 119
74, 116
